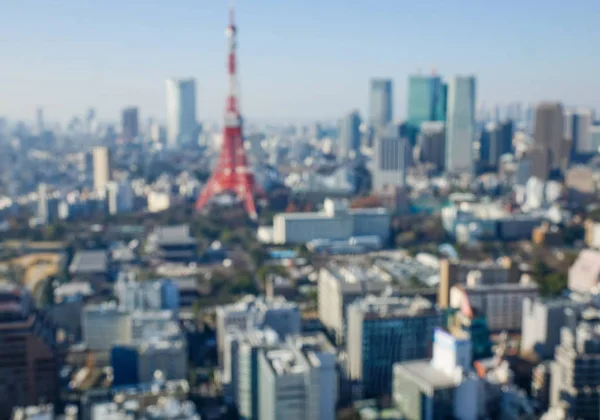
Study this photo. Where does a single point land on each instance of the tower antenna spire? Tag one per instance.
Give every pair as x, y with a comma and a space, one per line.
232, 173
232, 12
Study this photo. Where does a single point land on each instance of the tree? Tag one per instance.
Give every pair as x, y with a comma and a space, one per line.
244, 283
258, 255
405, 239
263, 272
552, 284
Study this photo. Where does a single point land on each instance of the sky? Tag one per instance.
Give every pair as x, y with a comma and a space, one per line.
298, 59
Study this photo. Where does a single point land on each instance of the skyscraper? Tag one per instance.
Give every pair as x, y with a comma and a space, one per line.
350, 136
39, 120
130, 123
181, 111
577, 127
102, 169
426, 100
28, 354
380, 103
460, 124
432, 143
549, 133
393, 156
490, 145
386, 330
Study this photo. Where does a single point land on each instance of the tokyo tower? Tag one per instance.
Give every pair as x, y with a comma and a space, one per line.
232, 173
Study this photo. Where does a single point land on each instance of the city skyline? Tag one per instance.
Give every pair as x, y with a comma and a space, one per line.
71, 56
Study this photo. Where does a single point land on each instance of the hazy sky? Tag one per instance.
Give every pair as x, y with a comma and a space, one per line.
299, 59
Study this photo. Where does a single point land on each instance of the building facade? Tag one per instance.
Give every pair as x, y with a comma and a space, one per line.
383, 331
254, 312
182, 126
426, 100
501, 304
130, 123
297, 382
28, 352
576, 371
549, 134
432, 143
393, 157
102, 167
350, 135
460, 124
380, 103
335, 222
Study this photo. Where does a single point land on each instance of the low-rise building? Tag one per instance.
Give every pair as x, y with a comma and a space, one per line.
335, 222
172, 243
92, 265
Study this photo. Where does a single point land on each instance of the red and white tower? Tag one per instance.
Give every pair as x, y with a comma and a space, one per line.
232, 173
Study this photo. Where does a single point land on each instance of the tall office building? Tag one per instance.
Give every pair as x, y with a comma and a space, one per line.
542, 322
338, 287
102, 167
576, 370
495, 141
130, 123
431, 142
182, 126
426, 100
460, 124
549, 133
393, 157
28, 354
386, 330
578, 124
254, 312
298, 381
380, 103
350, 135
241, 367
39, 120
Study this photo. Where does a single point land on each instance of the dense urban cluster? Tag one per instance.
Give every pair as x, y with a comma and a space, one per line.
444, 266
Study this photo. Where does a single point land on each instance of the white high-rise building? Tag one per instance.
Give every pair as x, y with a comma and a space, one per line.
253, 312
101, 163
297, 381
181, 111
460, 124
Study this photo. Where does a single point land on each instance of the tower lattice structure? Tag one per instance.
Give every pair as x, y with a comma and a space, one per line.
232, 172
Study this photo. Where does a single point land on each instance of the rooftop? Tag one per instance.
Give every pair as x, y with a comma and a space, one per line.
173, 235
357, 279
284, 361
393, 307
425, 375
250, 302
89, 262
